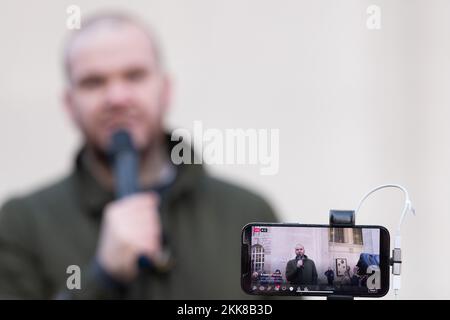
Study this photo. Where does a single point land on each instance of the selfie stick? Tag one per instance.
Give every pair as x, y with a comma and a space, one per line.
396, 259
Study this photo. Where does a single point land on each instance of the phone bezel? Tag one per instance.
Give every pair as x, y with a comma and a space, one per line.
246, 265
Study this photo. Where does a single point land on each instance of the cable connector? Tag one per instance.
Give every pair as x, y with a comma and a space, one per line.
396, 261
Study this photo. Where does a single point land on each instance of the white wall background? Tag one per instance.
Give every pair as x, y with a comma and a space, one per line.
355, 107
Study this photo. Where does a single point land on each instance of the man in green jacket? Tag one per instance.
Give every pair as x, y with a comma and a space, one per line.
301, 270
183, 220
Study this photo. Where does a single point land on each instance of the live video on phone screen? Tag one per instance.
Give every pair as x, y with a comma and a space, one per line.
315, 260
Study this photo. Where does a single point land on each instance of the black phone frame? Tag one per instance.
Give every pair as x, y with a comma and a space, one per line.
338, 218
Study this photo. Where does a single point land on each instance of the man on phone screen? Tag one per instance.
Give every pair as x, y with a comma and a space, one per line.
301, 270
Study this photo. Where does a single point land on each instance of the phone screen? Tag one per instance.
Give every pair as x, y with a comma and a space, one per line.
284, 259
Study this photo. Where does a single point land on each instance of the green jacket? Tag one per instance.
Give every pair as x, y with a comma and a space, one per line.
305, 275
43, 233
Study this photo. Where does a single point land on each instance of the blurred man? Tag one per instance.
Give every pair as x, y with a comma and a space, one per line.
330, 276
301, 270
185, 222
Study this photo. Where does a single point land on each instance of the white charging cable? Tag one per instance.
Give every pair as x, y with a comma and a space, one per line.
396, 253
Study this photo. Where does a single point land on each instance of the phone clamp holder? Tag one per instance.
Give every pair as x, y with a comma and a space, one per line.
342, 218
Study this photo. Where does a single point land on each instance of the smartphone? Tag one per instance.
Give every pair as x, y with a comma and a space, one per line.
315, 260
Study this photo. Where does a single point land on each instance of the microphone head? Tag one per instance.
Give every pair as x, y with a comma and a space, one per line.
121, 141
124, 163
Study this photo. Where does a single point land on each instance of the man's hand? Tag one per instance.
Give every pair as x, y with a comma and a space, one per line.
300, 263
131, 227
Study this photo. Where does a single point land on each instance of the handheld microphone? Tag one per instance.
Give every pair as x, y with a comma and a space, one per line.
125, 163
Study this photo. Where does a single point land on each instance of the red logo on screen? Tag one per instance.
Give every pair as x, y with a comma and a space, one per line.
256, 229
